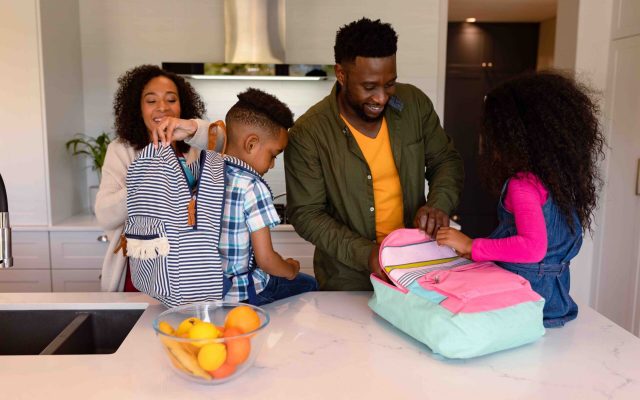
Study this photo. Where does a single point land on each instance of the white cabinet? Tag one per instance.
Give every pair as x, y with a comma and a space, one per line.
31, 271
76, 260
289, 245
41, 77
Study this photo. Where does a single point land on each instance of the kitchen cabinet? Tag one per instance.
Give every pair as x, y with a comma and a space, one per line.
42, 76
76, 260
479, 56
31, 271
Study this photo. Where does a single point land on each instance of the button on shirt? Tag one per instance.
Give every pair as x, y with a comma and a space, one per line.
248, 208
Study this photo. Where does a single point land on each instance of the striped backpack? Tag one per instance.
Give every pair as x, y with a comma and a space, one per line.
172, 232
459, 308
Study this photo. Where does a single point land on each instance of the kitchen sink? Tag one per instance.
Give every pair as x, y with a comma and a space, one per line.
49, 332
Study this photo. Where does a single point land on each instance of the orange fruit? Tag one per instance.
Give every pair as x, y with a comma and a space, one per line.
225, 370
238, 350
212, 356
242, 317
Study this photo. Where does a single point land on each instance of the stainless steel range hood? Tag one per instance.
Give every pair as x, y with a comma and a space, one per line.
254, 47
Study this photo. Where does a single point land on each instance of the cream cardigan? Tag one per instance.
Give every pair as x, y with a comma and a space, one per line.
111, 201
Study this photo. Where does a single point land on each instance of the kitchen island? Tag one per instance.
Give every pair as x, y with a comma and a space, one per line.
330, 345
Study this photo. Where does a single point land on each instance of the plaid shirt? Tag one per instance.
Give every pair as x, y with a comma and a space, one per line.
248, 208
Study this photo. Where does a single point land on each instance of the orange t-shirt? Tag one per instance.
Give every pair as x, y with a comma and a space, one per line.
387, 192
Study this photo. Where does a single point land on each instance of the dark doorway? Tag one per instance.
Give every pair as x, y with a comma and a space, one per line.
479, 56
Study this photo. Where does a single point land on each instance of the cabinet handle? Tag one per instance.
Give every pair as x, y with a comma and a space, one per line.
102, 238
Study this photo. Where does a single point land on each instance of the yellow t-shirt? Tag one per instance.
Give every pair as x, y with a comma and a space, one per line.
387, 192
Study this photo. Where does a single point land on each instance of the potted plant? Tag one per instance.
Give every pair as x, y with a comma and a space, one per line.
96, 149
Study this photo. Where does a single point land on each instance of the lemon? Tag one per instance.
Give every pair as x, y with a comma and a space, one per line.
186, 325
166, 327
212, 356
202, 331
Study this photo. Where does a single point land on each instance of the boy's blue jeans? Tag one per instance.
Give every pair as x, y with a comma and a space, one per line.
280, 288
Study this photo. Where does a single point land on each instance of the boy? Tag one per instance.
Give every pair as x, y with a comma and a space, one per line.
256, 133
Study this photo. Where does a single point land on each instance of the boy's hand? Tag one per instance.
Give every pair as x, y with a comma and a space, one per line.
295, 268
455, 239
173, 129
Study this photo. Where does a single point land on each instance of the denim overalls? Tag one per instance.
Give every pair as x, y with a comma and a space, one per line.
550, 277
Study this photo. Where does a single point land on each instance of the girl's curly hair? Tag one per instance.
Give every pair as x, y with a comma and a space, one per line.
129, 124
546, 124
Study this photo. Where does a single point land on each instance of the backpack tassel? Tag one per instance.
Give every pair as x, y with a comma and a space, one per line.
191, 212
121, 245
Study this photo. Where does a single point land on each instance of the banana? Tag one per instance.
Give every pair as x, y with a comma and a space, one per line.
187, 360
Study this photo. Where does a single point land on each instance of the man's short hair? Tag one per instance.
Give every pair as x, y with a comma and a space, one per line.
260, 109
365, 38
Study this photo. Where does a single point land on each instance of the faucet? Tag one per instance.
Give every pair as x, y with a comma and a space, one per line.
6, 260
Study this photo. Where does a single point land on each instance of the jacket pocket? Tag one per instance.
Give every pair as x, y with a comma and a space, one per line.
148, 251
479, 287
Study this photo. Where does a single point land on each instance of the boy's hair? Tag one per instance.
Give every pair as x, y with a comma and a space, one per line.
129, 124
260, 109
365, 38
546, 124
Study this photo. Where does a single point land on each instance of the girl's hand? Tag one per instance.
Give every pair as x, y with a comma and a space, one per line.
455, 239
173, 129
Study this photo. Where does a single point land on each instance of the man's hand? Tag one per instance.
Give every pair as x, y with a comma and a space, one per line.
374, 264
295, 268
173, 129
455, 239
430, 219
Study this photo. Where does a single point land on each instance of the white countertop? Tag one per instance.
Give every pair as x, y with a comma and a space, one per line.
88, 222
330, 345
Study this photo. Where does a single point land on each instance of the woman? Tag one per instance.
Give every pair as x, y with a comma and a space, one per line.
150, 105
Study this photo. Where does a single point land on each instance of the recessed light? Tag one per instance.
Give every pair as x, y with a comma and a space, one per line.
470, 20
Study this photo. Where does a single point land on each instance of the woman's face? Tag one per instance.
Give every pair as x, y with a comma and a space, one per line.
159, 100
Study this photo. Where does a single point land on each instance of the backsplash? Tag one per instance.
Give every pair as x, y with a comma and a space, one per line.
220, 95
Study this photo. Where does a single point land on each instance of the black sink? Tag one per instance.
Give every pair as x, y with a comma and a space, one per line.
46, 332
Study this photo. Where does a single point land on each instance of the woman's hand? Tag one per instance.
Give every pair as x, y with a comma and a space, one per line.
455, 239
173, 129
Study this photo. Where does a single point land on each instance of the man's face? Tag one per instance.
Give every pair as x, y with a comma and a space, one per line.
366, 86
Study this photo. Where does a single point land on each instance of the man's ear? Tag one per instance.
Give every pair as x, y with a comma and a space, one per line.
340, 73
251, 142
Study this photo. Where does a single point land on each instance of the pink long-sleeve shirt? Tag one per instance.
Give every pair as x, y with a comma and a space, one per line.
524, 199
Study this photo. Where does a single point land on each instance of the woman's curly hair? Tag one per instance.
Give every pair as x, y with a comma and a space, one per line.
546, 124
129, 124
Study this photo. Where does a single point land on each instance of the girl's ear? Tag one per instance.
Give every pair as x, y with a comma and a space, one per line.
251, 142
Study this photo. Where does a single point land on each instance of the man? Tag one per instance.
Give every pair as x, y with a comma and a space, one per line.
355, 164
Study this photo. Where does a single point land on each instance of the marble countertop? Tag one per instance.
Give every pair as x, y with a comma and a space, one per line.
88, 222
330, 345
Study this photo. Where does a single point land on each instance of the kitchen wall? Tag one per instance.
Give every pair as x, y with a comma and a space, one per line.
119, 34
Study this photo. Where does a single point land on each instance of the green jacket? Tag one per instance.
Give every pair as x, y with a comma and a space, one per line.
330, 190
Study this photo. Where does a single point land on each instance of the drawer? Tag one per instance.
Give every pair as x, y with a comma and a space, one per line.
77, 250
18, 281
30, 250
75, 280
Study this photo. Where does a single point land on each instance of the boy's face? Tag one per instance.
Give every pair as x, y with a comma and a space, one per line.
262, 155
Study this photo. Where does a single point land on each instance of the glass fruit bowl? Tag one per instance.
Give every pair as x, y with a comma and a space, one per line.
211, 342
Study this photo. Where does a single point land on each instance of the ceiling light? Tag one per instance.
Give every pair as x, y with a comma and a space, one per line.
470, 19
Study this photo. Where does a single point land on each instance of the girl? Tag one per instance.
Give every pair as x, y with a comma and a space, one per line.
540, 143
149, 106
